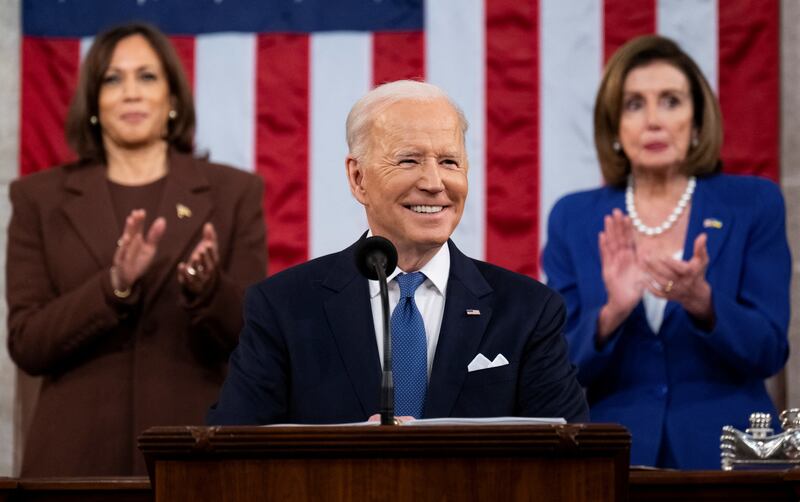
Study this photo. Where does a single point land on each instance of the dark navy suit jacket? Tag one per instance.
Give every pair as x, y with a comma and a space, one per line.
684, 382
308, 351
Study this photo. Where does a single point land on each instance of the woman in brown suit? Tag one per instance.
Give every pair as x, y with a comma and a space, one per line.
126, 269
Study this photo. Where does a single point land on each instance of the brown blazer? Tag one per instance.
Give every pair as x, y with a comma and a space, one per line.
113, 368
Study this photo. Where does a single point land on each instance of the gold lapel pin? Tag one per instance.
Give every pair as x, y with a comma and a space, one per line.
183, 211
712, 223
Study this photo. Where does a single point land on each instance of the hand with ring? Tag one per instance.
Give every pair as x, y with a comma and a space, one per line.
663, 289
135, 250
683, 281
198, 274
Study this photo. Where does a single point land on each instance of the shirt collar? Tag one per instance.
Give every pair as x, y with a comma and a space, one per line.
437, 271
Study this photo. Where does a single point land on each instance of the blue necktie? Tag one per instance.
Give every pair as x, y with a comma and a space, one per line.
409, 350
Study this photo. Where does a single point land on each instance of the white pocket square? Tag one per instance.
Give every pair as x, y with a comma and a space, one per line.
481, 362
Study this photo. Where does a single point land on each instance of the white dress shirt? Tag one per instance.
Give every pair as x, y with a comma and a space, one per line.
429, 298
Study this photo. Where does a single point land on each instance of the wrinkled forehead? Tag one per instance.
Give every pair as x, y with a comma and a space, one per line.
415, 120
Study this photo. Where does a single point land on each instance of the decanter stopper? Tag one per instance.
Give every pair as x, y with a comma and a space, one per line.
760, 425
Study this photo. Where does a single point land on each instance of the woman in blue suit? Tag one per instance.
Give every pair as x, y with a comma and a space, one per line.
676, 277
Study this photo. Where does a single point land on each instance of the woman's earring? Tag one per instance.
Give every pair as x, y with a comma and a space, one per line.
93, 120
695, 139
616, 146
172, 114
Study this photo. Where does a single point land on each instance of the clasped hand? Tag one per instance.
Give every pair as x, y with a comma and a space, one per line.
198, 274
627, 274
136, 250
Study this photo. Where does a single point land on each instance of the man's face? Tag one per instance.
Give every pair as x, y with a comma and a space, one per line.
412, 180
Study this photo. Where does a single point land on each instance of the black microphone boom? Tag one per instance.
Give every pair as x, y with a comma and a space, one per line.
376, 258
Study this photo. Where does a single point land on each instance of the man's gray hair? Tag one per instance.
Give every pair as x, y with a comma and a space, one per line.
376, 101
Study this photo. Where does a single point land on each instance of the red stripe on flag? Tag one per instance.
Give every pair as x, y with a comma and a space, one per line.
512, 134
624, 20
282, 136
749, 86
397, 56
49, 76
184, 47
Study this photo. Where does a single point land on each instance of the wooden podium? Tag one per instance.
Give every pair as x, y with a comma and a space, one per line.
414, 463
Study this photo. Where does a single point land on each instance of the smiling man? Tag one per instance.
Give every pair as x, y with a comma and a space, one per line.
469, 339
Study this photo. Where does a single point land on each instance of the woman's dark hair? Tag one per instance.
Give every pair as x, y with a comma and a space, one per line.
703, 156
86, 138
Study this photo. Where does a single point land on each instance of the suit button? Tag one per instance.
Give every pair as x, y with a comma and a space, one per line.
663, 390
149, 326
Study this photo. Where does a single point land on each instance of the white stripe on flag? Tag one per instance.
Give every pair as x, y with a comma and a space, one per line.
225, 97
694, 25
341, 72
86, 44
572, 59
455, 58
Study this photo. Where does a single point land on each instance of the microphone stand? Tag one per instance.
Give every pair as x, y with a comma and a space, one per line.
387, 384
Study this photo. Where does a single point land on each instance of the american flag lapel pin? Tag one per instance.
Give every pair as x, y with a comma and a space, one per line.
473, 312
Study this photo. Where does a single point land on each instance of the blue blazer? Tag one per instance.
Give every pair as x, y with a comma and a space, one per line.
682, 384
308, 352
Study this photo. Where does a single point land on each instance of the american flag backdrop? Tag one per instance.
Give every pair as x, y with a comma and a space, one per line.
274, 80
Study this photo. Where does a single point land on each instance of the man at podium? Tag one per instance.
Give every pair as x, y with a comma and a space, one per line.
469, 339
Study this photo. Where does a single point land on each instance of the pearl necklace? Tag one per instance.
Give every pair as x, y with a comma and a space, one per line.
671, 219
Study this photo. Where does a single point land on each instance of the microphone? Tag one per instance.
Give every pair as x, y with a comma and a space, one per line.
375, 252
376, 257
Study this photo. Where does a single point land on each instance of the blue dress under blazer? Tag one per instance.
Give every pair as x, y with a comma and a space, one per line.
682, 384
308, 351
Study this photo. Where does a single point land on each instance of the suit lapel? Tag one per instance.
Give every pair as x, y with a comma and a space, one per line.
91, 213
709, 216
460, 334
186, 205
350, 317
